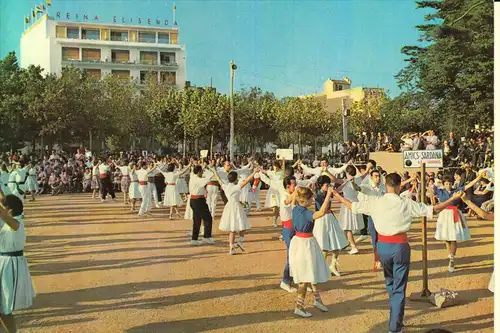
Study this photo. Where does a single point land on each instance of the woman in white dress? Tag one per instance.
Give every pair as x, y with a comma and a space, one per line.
234, 218
4, 180
307, 265
31, 183
172, 197
181, 184
451, 225
275, 183
17, 290
95, 185
350, 222
133, 192
327, 230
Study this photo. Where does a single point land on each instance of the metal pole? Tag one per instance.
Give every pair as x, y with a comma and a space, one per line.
344, 120
425, 278
184, 146
232, 67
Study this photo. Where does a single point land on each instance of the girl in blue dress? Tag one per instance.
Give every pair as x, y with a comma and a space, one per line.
307, 264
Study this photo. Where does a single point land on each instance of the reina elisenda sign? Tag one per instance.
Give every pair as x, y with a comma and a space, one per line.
124, 20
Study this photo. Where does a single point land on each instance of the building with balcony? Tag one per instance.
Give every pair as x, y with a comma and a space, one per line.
101, 49
339, 92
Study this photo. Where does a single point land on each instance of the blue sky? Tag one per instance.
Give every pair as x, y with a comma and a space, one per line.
286, 47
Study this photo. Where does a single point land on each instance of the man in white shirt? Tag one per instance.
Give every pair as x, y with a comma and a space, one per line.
392, 216
323, 164
198, 203
224, 172
142, 177
105, 179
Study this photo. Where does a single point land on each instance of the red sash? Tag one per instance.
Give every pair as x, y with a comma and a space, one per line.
143, 183
287, 224
304, 234
456, 215
171, 184
197, 196
213, 183
401, 238
102, 175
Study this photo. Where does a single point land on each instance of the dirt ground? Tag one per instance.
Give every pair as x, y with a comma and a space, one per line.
98, 268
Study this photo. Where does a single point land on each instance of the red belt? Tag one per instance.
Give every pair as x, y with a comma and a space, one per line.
102, 175
456, 215
171, 184
197, 196
401, 238
287, 224
143, 183
213, 183
304, 234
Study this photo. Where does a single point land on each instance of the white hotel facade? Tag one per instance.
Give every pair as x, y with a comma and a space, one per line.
101, 49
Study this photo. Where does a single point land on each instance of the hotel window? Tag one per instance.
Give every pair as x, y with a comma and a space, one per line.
121, 36
60, 32
149, 58
92, 34
163, 38
133, 35
147, 37
120, 56
96, 73
70, 53
73, 33
145, 75
92, 55
104, 34
124, 75
173, 38
168, 77
167, 58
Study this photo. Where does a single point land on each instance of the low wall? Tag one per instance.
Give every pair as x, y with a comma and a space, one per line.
393, 162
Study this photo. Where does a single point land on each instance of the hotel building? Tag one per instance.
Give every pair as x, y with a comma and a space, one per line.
122, 50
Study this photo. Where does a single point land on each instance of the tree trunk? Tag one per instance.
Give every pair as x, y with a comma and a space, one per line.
300, 144
212, 145
196, 141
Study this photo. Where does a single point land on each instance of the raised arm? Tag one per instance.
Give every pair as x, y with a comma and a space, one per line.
248, 179
481, 213
441, 206
324, 207
474, 182
312, 171
216, 174
409, 180
8, 219
265, 178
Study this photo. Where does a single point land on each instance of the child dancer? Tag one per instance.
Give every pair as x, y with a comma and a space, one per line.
451, 225
327, 230
31, 184
172, 197
287, 201
181, 183
125, 182
272, 197
234, 218
307, 265
17, 290
134, 193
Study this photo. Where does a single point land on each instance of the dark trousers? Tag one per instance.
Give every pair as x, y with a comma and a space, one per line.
364, 231
287, 237
223, 196
201, 212
106, 187
373, 233
395, 259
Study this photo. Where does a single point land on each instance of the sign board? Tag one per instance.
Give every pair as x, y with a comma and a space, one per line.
144, 153
415, 158
286, 154
203, 153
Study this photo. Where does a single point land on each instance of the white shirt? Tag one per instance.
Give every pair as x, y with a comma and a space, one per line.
197, 184
285, 210
124, 170
142, 175
306, 182
223, 173
103, 168
391, 214
371, 190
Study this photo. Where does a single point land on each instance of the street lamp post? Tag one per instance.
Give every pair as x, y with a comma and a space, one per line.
344, 119
232, 68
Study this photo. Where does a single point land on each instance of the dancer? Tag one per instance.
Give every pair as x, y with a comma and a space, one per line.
17, 290
327, 230
224, 172
31, 184
134, 193
307, 265
212, 189
106, 184
125, 181
254, 195
172, 197
234, 218
349, 221
288, 198
198, 203
392, 217
95, 179
153, 191
4, 180
323, 166
274, 180
144, 190
451, 225
181, 183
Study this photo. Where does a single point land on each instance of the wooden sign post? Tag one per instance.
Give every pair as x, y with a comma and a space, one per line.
425, 277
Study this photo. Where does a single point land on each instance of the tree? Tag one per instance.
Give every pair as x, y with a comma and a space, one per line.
365, 115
